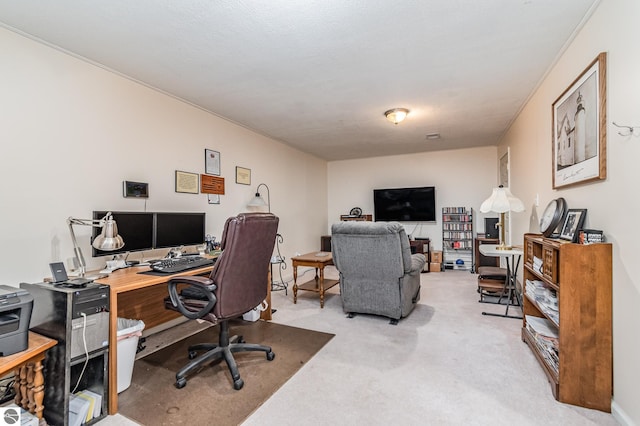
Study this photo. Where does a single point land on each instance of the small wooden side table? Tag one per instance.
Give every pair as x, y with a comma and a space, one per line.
319, 284
27, 366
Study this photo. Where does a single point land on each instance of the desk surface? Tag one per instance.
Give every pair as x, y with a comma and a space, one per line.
492, 250
37, 345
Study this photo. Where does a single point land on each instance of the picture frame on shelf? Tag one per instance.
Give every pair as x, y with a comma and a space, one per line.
579, 123
573, 222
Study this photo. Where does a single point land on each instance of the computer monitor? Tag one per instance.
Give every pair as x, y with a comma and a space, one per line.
135, 228
179, 229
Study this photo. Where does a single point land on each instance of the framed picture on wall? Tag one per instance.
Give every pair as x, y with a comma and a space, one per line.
579, 125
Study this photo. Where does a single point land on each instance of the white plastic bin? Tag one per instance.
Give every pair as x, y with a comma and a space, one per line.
129, 331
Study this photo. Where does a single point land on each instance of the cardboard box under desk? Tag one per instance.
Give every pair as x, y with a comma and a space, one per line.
435, 267
436, 256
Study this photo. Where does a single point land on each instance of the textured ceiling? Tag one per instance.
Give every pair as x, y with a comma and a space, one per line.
318, 75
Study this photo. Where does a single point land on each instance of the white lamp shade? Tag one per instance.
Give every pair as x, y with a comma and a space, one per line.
501, 201
396, 115
257, 201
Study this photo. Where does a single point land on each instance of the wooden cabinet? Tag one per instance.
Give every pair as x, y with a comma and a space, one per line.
361, 218
568, 288
482, 260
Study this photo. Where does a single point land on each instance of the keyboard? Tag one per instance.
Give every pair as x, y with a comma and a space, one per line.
180, 264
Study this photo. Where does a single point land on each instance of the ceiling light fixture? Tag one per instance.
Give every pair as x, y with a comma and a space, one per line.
396, 115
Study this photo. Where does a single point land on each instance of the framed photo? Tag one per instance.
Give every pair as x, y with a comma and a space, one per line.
187, 182
573, 222
211, 162
579, 128
243, 176
213, 198
135, 189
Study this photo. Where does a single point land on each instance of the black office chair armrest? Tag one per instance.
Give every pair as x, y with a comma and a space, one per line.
202, 285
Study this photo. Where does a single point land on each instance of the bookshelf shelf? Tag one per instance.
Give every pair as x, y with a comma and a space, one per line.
457, 237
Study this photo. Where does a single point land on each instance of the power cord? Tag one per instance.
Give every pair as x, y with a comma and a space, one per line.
86, 352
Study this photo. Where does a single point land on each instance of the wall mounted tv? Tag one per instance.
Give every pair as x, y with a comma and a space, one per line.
405, 204
151, 230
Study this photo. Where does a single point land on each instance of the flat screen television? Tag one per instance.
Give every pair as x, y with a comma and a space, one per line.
405, 204
135, 228
179, 229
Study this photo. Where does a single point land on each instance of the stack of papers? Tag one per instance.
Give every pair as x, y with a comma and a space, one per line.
537, 264
84, 406
545, 335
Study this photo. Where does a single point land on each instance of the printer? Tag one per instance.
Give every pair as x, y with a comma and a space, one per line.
16, 305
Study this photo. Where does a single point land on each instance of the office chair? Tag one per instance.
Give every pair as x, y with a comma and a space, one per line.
237, 284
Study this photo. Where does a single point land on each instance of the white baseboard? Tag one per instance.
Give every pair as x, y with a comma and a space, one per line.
620, 416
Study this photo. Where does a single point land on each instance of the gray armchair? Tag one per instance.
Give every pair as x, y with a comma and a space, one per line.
378, 273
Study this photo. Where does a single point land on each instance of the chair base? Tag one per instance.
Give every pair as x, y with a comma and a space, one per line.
223, 350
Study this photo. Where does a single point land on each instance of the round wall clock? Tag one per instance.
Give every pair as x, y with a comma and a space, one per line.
552, 216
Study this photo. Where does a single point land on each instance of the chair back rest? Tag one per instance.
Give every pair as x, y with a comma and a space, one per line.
370, 249
241, 271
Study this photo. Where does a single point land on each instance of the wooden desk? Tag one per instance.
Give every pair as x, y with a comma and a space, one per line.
319, 284
141, 296
29, 380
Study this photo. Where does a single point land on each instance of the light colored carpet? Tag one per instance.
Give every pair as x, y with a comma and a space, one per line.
445, 364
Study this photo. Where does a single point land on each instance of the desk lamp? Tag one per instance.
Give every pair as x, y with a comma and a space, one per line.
258, 201
502, 201
108, 239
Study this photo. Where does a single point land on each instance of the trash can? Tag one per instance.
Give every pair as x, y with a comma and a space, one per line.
129, 331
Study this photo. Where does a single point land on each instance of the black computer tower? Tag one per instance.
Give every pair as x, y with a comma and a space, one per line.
77, 318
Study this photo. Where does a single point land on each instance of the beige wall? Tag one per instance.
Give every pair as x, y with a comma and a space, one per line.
462, 178
73, 132
612, 203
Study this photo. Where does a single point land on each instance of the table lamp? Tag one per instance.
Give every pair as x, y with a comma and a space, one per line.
502, 201
108, 239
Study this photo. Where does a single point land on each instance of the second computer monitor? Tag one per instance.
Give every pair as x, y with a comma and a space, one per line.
179, 229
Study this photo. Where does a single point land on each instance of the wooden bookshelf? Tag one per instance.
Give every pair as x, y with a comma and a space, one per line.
581, 278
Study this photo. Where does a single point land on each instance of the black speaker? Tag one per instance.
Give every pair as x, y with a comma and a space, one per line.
490, 228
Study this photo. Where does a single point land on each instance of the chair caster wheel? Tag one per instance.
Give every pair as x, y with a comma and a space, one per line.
270, 356
193, 354
238, 384
180, 383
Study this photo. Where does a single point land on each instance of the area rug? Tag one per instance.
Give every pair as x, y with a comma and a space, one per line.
209, 397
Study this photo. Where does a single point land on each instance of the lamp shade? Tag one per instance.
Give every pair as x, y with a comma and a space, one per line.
257, 201
501, 201
396, 115
108, 239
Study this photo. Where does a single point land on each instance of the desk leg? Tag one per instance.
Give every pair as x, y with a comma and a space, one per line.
321, 287
295, 283
510, 284
113, 353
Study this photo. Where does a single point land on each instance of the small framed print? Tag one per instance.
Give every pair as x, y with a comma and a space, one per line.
573, 222
135, 189
243, 175
211, 162
187, 182
213, 198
